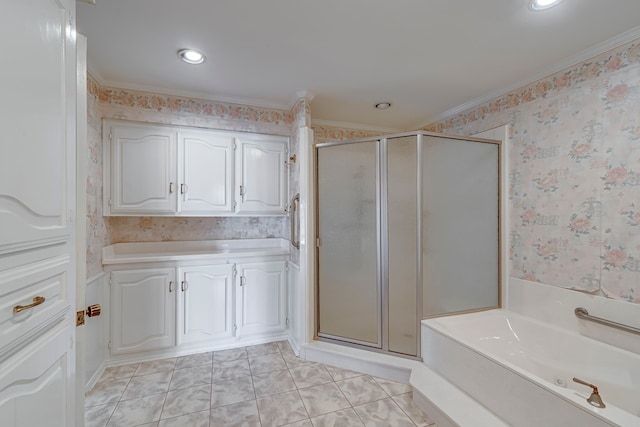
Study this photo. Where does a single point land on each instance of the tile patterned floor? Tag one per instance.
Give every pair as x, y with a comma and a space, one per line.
258, 386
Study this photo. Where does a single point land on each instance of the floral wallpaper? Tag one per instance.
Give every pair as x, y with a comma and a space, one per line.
574, 173
97, 235
155, 229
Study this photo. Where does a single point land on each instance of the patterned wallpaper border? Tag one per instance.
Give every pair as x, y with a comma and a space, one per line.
161, 103
567, 79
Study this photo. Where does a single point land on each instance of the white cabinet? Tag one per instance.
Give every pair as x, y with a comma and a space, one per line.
206, 164
205, 303
143, 169
163, 170
171, 298
143, 309
37, 215
261, 177
261, 297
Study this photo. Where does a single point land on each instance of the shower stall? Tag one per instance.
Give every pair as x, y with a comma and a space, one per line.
407, 228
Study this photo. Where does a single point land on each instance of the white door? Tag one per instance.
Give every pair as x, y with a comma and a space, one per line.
205, 303
205, 172
261, 178
261, 297
37, 203
143, 169
143, 309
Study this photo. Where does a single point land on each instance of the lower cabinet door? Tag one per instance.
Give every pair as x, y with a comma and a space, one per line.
35, 384
143, 309
205, 303
261, 297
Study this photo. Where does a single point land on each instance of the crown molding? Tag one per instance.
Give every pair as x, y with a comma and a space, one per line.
570, 61
354, 126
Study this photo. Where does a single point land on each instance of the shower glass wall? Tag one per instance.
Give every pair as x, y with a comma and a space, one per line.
407, 228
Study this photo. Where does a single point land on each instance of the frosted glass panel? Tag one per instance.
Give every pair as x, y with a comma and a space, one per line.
459, 225
402, 212
349, 304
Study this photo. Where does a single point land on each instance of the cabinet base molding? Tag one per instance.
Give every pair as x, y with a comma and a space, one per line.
189, 350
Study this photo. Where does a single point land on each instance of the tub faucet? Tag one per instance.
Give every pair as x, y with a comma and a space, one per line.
594, 399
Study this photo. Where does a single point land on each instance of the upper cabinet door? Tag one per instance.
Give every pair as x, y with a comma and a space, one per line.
143, 169
206, 162
37, 117
261, 176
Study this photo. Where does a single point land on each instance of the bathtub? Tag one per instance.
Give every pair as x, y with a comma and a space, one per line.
521, 369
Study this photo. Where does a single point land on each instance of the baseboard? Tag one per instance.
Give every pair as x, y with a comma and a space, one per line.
95, 377
376, 364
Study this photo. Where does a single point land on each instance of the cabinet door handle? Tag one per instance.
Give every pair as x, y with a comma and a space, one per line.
184, 285
36, 301
170, 286
183, 188
170, 187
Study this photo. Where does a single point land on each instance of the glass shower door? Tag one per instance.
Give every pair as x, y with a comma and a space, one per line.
348, 252
460, 225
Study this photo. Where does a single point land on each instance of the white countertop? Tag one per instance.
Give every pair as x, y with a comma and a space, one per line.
125, 253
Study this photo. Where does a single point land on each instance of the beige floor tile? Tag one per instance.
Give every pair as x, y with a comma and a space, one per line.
343, 418
147, 385
310, 375
281, 409
268, 363
383, 413
361, 390
232, 391
273, 383
104, 392
393, 388
191, 377
137, 411
228, 355
322, 399
405, 402
244, 414
186, 401
154, 366
194, 360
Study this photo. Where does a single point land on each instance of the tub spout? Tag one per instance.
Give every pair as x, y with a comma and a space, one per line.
594, 399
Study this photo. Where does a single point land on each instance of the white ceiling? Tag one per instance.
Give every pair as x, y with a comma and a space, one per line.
424, 56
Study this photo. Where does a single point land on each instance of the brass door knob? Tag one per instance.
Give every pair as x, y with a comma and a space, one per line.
94, 310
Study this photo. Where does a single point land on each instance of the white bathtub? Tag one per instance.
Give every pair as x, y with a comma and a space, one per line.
521, 369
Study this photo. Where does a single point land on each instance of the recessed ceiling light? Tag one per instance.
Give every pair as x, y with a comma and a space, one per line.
191, 56
537, 5
383, 105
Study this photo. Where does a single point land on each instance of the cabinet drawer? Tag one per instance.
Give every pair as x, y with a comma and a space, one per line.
19, 288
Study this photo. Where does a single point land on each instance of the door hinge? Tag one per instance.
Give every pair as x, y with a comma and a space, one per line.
235, 145
286, 266
318, 242
235, 329
234, 271
109, 280
242, 281
286, 322
235, 204
109, 345
79, 318
110, 134
109, 202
